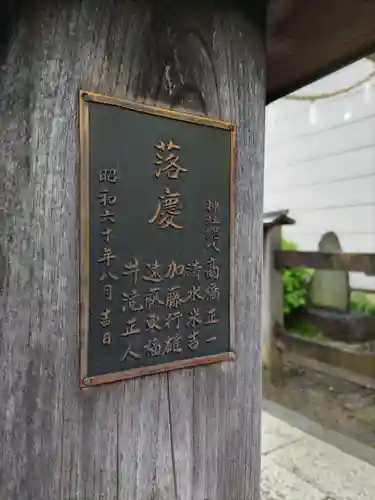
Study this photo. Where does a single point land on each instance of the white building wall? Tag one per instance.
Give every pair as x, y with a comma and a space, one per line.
320, 163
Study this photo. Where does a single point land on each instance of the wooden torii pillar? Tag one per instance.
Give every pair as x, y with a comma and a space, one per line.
189, 434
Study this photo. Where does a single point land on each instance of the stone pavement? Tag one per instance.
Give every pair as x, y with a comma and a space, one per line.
297, 466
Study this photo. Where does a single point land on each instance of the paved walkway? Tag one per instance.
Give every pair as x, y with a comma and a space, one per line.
297, 466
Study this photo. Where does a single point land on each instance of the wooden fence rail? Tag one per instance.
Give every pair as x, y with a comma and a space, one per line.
355, 262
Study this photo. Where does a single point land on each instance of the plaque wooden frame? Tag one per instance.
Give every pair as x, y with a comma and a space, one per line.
84, 238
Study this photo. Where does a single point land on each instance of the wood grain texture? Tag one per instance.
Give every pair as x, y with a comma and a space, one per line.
272, 303
305, 40
186, 435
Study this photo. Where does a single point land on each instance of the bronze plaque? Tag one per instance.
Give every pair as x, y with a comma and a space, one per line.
156, 198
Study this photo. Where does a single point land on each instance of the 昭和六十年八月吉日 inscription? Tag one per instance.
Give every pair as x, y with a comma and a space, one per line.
155, 222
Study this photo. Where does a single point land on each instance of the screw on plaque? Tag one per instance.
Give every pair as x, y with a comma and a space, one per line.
87, 381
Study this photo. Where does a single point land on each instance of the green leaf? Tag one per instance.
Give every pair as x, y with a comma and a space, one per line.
295, 284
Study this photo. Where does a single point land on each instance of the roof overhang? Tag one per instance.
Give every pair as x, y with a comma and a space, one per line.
308, 39
277, 218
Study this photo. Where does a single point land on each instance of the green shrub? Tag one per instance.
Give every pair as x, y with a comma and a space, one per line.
360, 302
295, 284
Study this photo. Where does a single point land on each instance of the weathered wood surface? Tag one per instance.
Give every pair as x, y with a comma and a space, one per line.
356, 262
272, 303
187, 435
